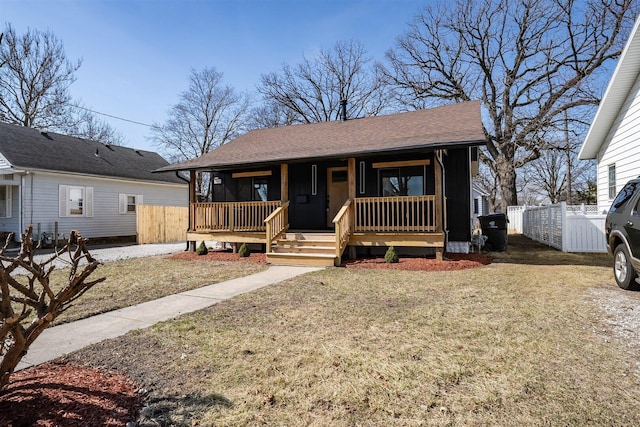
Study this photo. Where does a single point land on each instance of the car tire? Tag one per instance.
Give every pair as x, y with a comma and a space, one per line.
623, 271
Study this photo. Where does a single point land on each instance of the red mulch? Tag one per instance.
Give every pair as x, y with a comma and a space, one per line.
451, 262
59, 394
55, 394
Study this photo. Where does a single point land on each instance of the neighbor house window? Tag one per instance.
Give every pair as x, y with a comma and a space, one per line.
75, 201
127, 203
476, 206
612, 181
5, 201
407, 181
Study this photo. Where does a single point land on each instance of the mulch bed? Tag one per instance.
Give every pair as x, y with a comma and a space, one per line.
60, 394
451, 261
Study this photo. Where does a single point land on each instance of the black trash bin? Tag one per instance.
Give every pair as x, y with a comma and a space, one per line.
494, 226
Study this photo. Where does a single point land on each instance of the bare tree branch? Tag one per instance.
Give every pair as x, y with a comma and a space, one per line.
35, 80
207, 115
23, 317
311, 91
529, 61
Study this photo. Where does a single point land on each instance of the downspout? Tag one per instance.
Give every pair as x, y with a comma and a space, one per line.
188, 208
443, 206
20, 209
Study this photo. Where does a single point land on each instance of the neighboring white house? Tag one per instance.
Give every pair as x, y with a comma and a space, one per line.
614, 136
48, 179
480, 203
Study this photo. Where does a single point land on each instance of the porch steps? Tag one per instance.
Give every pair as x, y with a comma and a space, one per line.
312, 249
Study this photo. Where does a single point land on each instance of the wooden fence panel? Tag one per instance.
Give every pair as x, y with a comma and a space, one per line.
161, 224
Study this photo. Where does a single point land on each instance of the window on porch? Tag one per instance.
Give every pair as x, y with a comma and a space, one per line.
254, 189
403, 181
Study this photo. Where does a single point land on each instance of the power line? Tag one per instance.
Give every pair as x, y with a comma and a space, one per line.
114, 117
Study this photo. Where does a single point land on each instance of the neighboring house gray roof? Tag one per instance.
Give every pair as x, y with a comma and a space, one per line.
620, 85
448, 126
31, 149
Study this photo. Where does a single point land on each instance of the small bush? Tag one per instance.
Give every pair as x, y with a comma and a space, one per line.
244, 251
391, 257
202, 249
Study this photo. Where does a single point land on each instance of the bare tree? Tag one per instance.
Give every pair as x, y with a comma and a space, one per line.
89, 126
207, 115
35, 80
529, 61
30, 302
312, 91
271, 114
487, 181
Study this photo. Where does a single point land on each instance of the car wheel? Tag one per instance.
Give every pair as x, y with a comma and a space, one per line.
623, 270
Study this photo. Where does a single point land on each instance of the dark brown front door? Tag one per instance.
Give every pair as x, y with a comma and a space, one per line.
337, 191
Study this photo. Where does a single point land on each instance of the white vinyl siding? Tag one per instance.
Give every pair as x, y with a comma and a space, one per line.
621, 148
41, 206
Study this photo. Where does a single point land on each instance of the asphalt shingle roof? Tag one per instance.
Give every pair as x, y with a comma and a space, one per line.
447, 126
27, 148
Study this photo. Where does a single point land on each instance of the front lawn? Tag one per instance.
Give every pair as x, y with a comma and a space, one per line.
519, 342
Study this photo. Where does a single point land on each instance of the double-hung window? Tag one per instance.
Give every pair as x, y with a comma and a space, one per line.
75, 201
127, 203
5, 201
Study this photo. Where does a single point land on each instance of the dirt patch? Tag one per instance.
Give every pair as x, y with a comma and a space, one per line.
54, 394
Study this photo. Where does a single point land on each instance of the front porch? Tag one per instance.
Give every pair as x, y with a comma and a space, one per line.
413, 221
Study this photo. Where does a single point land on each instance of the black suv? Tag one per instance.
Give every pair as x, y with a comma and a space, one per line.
622, 228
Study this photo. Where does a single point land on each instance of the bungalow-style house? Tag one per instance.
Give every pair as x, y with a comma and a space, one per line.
307, 192
59, 183
614, 136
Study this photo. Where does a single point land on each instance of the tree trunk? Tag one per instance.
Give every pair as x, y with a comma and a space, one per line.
507, 177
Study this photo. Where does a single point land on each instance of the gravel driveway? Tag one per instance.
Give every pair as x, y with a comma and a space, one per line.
117, 253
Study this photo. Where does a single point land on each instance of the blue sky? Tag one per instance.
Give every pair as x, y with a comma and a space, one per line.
137, 54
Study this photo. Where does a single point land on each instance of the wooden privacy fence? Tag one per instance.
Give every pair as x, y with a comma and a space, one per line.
161, 224
564, 227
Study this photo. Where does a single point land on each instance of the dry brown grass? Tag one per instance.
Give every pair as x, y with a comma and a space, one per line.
138, 280
518, 342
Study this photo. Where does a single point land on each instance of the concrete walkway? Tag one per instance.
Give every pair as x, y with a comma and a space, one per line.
60, 340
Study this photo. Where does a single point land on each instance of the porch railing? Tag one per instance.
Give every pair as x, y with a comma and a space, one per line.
231, 216
396, 214
343, 226
276, 224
